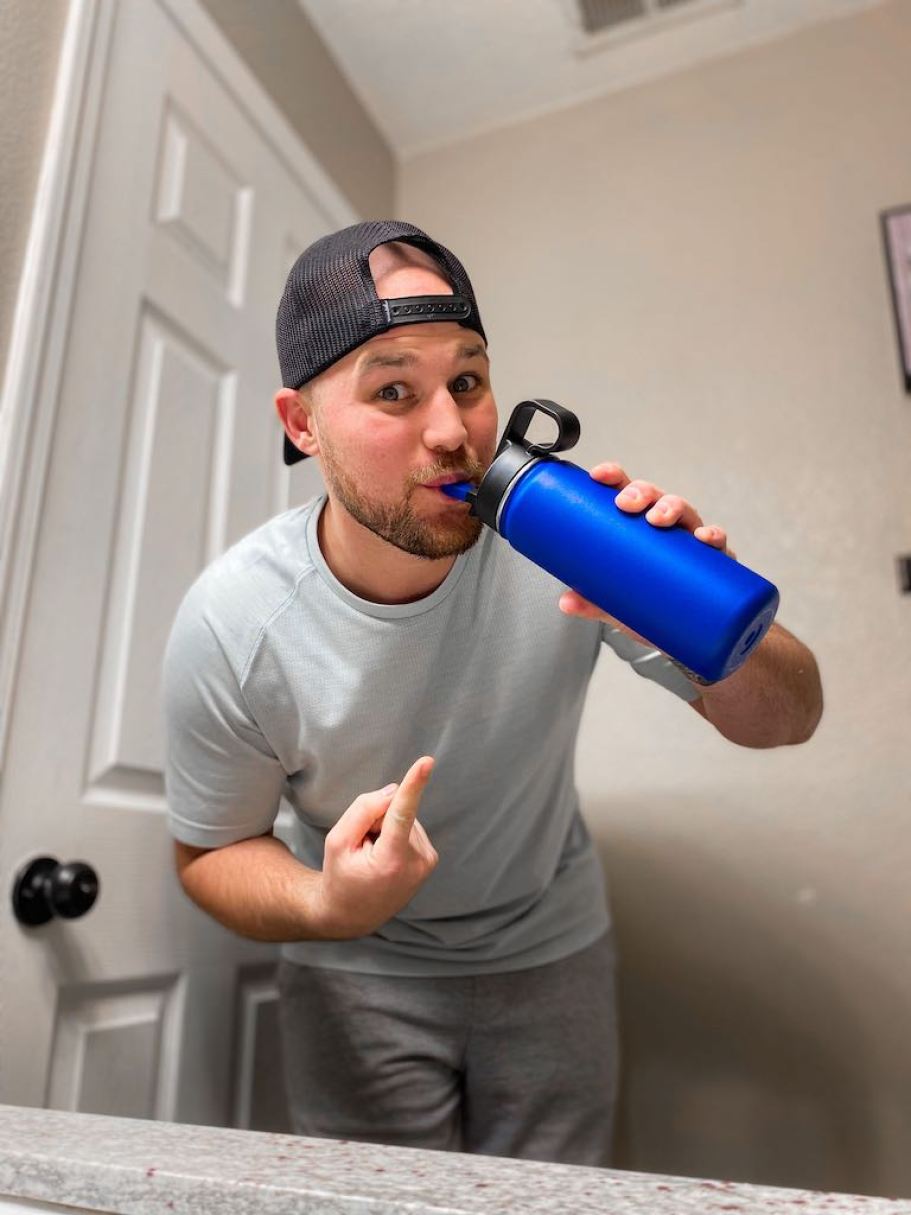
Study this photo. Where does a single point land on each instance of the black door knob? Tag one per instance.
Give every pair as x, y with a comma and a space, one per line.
44, 889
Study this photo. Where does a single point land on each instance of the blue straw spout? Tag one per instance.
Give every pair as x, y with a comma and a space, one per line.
459, 490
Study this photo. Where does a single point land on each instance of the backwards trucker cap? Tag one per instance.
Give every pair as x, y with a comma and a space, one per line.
330, 306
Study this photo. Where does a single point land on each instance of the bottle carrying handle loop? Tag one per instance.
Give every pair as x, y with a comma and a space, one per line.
515, 453
568, 429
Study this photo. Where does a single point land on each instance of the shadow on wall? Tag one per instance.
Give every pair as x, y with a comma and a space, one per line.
739, 1059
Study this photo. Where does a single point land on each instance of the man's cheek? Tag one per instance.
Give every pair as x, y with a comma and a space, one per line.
488, 430
369, 440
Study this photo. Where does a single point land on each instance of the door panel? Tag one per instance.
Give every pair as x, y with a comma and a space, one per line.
166, 449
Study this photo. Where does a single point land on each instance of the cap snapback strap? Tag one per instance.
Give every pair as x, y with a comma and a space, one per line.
410, 309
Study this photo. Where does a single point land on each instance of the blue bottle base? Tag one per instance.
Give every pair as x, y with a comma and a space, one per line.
747, 643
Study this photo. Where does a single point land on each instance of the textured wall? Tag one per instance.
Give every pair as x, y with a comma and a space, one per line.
30, 35
695, 266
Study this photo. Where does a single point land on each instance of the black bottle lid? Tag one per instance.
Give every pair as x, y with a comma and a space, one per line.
515, 453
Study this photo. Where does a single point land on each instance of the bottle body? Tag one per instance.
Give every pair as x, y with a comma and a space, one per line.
698, 605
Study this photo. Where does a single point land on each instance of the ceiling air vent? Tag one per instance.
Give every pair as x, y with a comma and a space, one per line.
598, 15
605, 17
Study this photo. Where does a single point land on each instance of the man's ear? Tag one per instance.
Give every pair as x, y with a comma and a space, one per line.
296, 414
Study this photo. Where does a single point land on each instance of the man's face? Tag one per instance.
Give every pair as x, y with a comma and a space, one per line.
404, 409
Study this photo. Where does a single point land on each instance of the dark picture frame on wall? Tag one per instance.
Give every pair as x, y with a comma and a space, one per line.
896, 229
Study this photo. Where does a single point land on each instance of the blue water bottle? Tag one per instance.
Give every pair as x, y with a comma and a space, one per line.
697, 604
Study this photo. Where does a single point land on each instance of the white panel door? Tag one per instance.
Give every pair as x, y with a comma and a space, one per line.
166, 449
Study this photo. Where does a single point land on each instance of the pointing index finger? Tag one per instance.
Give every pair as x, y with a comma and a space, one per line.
403, 809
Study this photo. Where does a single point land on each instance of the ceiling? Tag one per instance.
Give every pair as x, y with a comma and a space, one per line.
431, 72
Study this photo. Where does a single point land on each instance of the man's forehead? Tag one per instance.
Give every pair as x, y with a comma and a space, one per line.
419, 341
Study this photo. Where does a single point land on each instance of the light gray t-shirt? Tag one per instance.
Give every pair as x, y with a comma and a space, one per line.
280, 682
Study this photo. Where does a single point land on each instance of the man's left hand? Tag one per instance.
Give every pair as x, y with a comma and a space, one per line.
663, 510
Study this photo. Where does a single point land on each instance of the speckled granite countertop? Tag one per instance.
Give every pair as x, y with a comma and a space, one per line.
132, 1167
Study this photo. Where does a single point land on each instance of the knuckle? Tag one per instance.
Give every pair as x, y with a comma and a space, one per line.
391, 870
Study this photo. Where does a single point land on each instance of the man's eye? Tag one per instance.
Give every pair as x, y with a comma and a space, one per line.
393, 390
461, 383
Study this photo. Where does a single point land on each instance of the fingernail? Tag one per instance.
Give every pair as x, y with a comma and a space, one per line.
389, 789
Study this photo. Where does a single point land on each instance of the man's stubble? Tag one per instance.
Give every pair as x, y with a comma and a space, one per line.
397, 522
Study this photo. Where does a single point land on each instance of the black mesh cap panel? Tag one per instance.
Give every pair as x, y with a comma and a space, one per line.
330, 306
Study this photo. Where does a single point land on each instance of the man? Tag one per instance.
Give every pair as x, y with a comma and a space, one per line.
446, 981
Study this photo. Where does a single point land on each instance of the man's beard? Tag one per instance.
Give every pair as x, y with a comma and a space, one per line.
397, 523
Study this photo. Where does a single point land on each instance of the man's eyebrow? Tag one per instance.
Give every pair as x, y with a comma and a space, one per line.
408, 360
472, 352
385, 360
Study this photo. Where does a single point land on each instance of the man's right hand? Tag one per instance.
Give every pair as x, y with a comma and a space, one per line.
377, 856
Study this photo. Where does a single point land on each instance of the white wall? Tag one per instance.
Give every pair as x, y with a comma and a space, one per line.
695, 266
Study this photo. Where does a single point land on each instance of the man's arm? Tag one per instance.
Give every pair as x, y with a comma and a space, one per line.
773, 700
376, 857
255, 887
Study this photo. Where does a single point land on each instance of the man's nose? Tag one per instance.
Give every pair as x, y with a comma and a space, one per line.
444, 429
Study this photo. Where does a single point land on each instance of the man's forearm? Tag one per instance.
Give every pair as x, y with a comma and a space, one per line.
257, 888
774, 699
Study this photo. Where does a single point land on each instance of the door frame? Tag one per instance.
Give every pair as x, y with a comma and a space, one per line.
31, 383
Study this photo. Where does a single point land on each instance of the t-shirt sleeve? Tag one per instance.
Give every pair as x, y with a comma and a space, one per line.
648, 662
223, 783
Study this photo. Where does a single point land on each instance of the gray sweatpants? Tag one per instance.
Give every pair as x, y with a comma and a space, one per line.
519, 1064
